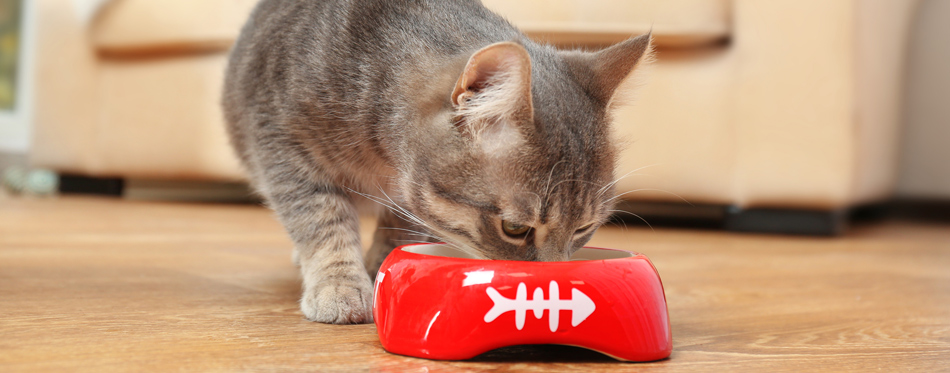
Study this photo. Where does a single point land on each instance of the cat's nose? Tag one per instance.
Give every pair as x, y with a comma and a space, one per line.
555, 255
554, 248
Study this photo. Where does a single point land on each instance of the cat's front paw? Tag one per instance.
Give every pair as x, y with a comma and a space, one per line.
339, 302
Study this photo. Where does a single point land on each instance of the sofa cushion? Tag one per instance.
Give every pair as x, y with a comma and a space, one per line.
148, 26
675, 23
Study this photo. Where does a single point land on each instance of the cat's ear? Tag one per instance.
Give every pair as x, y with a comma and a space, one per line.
601, 73
495, 86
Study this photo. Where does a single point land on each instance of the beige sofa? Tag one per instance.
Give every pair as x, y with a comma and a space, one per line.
751, 103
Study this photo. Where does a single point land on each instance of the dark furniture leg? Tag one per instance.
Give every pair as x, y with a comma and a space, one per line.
786, 221
754, 220
72, 184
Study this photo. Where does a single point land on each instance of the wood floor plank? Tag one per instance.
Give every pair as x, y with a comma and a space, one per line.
90, 284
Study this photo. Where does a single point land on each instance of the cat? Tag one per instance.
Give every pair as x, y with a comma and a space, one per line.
471, 133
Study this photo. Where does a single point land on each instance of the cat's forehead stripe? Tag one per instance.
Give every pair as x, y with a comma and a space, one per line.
446, 194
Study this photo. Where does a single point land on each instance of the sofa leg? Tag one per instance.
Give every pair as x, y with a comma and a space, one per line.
731, 218
786, 221
73, 184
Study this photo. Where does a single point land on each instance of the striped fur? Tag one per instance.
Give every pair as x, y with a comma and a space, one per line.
439, 110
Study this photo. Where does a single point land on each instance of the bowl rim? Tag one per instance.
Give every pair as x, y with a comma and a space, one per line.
610, 254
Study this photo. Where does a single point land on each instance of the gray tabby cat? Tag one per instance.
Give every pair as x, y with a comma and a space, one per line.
470, 132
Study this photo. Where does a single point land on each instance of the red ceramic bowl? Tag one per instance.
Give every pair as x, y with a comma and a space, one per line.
435, 302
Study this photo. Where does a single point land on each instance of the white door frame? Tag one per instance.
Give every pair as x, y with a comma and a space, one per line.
15, 126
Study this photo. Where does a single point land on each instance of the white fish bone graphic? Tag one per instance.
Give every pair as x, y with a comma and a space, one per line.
580, 305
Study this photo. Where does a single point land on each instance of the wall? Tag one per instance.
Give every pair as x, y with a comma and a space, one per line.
925, 161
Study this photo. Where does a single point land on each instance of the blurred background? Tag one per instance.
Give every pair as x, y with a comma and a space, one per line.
783, 116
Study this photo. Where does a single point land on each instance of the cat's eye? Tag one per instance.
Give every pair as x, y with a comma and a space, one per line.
514, 229
583, 229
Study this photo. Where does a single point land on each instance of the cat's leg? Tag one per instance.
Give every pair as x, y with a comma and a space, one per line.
324, 226
391, 231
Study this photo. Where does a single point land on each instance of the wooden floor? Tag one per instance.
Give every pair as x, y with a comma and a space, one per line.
107, 285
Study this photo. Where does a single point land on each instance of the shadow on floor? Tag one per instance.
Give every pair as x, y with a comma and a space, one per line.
542, 353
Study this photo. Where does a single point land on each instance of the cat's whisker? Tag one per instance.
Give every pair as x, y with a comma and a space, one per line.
547, 190
399, 212
609, 185
571, 180
373, 198
391, 205
412, 216
635, 215
419, 221
410, 242
625, 229
536, 195
412, 219
614, 198
416, 233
